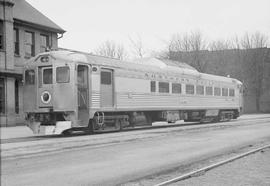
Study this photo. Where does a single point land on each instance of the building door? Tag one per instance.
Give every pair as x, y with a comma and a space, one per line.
106, 88
83, 94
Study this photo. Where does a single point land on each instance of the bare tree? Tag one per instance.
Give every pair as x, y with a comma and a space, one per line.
220, 45
111, 49
137, 46
254, 61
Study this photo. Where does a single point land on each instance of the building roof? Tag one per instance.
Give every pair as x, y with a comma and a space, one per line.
24, 12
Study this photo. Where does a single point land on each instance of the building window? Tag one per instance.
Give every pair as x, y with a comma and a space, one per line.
217, 91
189, 89
209, 91
44, 43
62, 74
231, 92
200, 90
1, 35
176, 88
2, 96
163, 87
29, 44
153, 86
224, 92
17, 97
16, 41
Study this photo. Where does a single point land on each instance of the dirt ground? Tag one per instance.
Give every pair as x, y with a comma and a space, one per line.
250, 170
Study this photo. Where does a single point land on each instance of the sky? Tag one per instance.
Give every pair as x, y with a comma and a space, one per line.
91, 22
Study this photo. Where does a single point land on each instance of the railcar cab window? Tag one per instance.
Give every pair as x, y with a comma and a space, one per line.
153, 86
209, 91
29, 77
47, 76
231, 92
200, 90
176, 88
217, 91
224, 92
189, 89
62, 74
163, 87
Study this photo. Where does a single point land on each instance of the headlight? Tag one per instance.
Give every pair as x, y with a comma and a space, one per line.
46, 97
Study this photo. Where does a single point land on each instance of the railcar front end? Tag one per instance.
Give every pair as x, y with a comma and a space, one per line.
49, 89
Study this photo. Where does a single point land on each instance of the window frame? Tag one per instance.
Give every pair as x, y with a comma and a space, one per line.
207, 92
2, 46
3, 93
42, 47
198, 87
217, 88
162, 89
16, 35
175, 85
25, 80
43, 69
68, 79
193, 89
153, 86
230, 91
225, 92
32, 44
102, 79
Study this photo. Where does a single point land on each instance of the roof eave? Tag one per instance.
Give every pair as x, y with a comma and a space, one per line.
42, 27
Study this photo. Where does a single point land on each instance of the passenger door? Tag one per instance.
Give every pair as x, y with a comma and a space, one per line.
83, 94
45, 86
106, 88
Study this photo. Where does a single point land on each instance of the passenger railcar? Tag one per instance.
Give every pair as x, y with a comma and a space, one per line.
66, 90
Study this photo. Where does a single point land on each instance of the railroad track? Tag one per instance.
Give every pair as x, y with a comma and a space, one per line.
209, 167
80, 133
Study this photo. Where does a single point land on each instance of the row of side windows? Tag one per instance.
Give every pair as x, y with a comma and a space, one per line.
29, 41
164, 87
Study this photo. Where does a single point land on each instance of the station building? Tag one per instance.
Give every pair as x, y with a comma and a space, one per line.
24, 32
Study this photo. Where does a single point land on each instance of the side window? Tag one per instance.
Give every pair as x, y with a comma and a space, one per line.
163, 87
176, 88
224, 92
189, 89
200, 90
209, 91
153, 86
231, 92
217, 91
106, 78
47, 76
62, 74
29, 77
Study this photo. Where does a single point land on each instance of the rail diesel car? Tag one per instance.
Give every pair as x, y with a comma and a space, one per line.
66, 91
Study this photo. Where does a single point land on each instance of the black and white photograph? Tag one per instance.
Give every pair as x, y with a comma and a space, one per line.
134, 93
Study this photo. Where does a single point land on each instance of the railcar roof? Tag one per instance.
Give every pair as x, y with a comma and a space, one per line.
146, 65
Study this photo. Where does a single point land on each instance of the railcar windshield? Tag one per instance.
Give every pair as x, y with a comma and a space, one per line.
62, 74
29, 77
47, 76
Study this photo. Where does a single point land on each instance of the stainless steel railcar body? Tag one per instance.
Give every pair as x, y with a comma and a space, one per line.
66, 90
